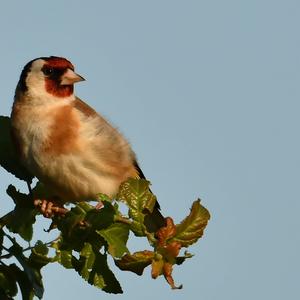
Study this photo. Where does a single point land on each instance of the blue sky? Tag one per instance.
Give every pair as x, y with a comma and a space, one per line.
208, 94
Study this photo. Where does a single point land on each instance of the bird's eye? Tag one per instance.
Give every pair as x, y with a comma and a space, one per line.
48, 71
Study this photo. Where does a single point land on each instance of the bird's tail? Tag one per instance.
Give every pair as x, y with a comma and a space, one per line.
154, 220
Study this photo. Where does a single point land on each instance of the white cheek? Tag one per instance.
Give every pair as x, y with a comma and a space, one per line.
36, 84
35, 78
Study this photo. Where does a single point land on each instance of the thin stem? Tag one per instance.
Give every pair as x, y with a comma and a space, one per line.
29, 188
46, 244
123, 220
152, 240
9, 255
6, 256
10, 238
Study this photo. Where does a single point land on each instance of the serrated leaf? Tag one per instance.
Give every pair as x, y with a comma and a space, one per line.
97, 281
40, 248
71, 219
79, 224
3, 295
33, 274
86, 261
9, 159
135, 262
136, 194
23, 216
100, 218
192, 227
102, 273
7, 281
57, 245
38, 257
23, 282
116, 236
92, 266
73, 235
63, 257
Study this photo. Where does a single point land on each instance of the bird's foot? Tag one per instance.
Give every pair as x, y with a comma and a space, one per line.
49, 208
99, 205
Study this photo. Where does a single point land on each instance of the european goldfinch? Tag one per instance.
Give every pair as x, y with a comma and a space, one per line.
64, 142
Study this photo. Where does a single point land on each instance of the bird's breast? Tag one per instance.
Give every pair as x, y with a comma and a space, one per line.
78, 156
43, 132
62, 132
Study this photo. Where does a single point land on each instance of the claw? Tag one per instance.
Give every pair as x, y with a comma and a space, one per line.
48, 208
99, 205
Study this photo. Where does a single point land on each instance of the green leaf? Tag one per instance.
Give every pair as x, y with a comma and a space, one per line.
38, 257
63, 257
79, 225
71, 219
100, 218
33, 274
73, 234
136, 194
40, 248
7, 281
103, 198
192, 227
92, 266
23, 282
3, 295
116, 236
87, 214
23, 216
135, 262
101, 273
66, 259
86, 261
9, 159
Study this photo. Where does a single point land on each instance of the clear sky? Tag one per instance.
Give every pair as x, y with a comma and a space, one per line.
208, 94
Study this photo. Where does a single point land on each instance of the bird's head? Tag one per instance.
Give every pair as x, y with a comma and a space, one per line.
49, 76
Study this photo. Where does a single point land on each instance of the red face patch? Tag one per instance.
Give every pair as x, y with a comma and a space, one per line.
58, 66
59, 62
57, 90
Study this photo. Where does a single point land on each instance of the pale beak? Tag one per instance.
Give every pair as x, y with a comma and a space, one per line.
70, 77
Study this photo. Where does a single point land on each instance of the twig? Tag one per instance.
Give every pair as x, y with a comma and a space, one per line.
9, 255
10, 238
6, 256
122, 220
29, 188
152, 240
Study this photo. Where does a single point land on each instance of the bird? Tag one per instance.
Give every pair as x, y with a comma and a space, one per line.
64, 142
